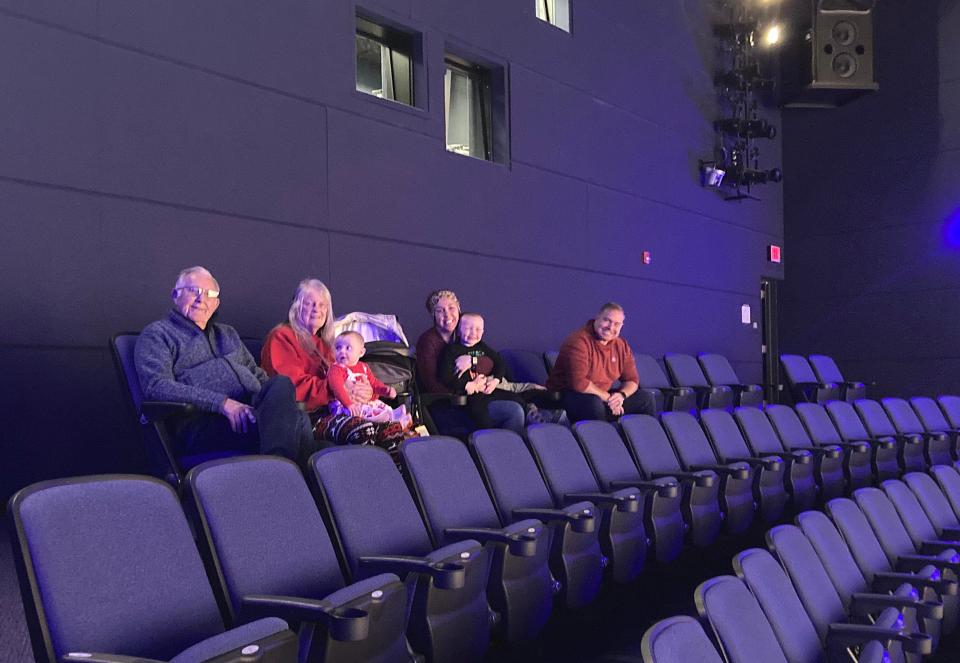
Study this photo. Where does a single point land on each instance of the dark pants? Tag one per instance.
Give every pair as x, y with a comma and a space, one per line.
580, 406
282, 428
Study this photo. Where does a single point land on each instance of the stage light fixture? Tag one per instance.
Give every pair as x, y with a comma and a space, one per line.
772, 35
749, 177
754, 128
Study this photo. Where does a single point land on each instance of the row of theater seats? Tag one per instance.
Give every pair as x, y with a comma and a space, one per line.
482, 540
876, 574
818, 379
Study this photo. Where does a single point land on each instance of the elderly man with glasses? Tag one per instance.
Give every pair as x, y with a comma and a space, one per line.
187, 358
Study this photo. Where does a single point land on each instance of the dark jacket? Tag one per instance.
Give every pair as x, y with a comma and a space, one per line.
178, 361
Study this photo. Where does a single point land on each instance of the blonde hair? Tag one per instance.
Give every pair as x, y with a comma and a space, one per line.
304, 335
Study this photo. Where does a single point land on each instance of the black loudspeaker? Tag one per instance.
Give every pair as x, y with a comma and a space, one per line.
832, 58
842, 45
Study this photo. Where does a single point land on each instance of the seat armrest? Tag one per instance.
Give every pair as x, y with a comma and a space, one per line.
703, 479
458, 400
884, 442
830, 451
625, 503
519, 544
344, 624
800, 456
950, 533
917, 562
667, 489
582, 522
675, 391
769, 463
740, 473
865, 604
445, 575
937, 547
890, 580
909, 438
846, 635
151, 411
856, 446
100, 657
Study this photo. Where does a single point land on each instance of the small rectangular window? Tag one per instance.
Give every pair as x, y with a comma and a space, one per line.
466, 95
554, 12
384, 62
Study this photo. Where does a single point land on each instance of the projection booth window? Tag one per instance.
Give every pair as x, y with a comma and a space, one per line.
554, 12
466, 94
385, 62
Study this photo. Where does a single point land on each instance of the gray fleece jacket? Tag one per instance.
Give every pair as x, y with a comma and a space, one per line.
178, 361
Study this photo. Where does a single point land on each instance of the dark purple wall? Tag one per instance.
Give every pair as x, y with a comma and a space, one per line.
869, 191
139, 138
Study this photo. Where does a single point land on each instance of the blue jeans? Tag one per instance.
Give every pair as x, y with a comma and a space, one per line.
281, 427
507, 414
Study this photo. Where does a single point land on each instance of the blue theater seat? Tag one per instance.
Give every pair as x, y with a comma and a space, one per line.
778, 632
614, 469
821, 599
108, 567
623, 536
879, 426
803, 383
949, 481
378, 529
800, 463
936, 445
455, 505
931, 416
519, 493
884, 451
686, 372
263, 535
719, 372
827, 628
695, 454
769, 489
850, 581
950, 405
651, 451
830, 460
898, 543
659, 391
678, 640
828, 373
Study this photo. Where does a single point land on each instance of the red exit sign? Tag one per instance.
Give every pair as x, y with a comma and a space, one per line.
774, 253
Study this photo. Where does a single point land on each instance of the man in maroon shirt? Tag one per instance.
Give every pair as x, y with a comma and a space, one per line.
591, 360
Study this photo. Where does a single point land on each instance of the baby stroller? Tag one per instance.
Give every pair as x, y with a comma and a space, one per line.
387, 354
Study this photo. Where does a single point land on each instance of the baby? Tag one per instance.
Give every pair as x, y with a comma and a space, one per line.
347, 350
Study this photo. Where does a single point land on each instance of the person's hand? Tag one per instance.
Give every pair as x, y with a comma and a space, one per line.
360, 391
617, 411
615, 402
391, 392
355, 409
240, 415
491, 385
476, 385
538, 387
463, 364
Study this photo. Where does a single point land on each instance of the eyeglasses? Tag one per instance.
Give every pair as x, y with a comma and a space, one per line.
196, 291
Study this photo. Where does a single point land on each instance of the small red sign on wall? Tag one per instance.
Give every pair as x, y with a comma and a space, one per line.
773, 253
647, 258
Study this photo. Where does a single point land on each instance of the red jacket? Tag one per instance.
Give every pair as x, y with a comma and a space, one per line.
337, 378
282, 354
583, 359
